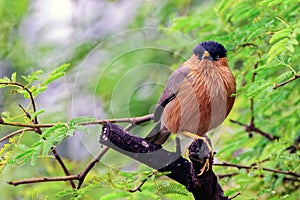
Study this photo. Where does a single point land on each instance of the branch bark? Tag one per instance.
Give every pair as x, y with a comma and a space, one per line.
180, 169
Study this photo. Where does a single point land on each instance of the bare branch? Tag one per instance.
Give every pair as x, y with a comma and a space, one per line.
134, 120
220, 176
37, 127
278, 85
29, 93
251, 128
83, 174
237, 194
15, 133
142, 183
256, 167
44, 179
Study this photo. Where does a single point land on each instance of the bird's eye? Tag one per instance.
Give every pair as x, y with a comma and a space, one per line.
217, 57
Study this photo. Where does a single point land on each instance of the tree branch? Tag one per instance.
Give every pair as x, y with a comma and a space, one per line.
181, 170
251, 128
81, 176
278, 85
44, 179
28, 92
134, 121
37, 129
256, 167
15, 133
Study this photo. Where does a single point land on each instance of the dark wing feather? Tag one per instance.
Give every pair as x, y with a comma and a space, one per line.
170, 90
159, 134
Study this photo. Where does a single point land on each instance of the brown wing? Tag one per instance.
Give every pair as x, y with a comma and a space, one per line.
159, 134
170, 90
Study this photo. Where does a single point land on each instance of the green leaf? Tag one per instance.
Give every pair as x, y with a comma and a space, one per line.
46, 134
38, 90
33, 115
172, 188
55, 74
5, 80
14, 77
257, 88
277, 48
53, 136
115, 195
37, 150
26, 153
32, 77
283, 76
280, 35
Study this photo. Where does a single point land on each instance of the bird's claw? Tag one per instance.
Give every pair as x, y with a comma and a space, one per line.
205, 167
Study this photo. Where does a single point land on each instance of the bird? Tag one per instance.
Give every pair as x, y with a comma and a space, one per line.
198, 96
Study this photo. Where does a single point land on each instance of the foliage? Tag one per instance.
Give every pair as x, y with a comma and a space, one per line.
262, 39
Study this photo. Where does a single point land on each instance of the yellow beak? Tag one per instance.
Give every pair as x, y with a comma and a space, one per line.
206, 54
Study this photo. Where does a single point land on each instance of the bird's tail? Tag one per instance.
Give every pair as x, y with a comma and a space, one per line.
158, 135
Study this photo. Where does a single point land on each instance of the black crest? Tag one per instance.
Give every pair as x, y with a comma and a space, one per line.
215, 49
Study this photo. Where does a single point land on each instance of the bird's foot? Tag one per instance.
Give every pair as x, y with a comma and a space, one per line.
205, 167
200, 153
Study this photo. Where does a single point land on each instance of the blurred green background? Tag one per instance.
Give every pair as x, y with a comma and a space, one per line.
121, 54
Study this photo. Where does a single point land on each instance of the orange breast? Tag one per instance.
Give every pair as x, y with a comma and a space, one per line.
203, 100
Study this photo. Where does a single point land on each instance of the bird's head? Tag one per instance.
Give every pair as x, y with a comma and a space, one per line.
210, 50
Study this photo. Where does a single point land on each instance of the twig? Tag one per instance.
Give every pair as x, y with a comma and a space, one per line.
134, 121
251, 100
260, 162
63, 166
26, 113
18, 124
278, 85
37, 129
44, 179
252, 128
29, 93
237, 194
142, 183
227, 175
83, 174
15, 133
248, 44
256, 167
